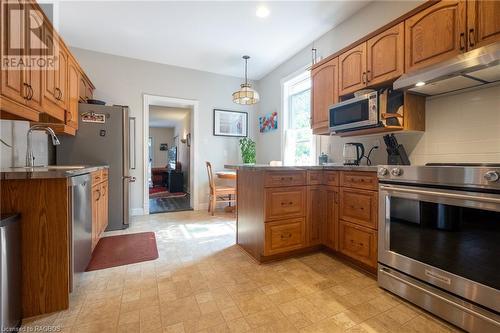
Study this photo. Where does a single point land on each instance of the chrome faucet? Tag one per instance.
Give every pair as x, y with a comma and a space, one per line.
30, 157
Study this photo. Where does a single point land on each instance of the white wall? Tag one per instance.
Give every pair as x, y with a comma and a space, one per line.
121, 80
13, 132
161, 135
368, 19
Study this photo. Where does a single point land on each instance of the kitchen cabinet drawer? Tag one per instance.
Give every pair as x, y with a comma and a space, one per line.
285, 178
285, 235
285, 202
314, 177
358, 243
357, 179
359, 206
331, 178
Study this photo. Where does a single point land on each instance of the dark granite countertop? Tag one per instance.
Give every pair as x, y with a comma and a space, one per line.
267, 167
51, 171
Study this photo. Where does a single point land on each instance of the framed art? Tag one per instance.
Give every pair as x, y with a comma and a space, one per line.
230, 123
268, 122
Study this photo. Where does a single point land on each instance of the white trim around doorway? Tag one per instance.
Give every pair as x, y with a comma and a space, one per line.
157, 100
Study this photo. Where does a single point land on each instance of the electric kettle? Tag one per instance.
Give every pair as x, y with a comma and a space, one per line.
353, 153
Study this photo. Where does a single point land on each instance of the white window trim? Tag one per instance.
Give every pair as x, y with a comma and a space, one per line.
284, 106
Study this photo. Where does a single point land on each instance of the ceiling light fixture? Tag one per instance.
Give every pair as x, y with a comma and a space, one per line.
262, 11
246, 95
420, 84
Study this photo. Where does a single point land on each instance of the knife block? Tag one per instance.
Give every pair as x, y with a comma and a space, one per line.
398, 157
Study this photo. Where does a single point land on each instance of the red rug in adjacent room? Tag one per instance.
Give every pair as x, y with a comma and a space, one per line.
121, 250
162, 192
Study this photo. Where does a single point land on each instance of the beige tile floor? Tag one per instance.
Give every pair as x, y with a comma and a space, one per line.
202, 282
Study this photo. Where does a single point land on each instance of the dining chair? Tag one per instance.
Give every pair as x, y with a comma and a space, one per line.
218, 193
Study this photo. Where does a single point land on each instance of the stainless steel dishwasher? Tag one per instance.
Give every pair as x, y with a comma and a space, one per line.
81, 226
10, 272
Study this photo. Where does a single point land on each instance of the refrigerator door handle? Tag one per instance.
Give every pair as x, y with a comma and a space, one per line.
131, 179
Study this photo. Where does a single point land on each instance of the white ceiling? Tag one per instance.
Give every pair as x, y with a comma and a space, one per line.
161, 116
208, 35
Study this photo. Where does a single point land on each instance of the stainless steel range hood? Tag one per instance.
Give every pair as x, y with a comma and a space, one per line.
471, 69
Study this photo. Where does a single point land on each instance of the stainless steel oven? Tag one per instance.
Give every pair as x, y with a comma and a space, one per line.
439, 241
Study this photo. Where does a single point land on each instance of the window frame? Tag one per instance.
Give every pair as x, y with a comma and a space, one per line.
286, 83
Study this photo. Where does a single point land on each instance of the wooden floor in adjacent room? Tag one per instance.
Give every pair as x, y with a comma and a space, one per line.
203, 282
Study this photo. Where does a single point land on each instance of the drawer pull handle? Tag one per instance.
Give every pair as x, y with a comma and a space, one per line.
286, 235
287, 203
286, 178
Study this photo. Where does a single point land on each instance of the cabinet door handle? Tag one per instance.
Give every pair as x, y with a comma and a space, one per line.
472, 41
462, 41
363, 77
27, 91
58, 94
30, 97
99, 197
69, 116
368, 79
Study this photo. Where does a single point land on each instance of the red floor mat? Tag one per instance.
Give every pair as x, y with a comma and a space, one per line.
123, 250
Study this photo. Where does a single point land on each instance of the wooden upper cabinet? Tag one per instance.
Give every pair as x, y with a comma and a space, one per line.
73, 94
62, 78
54, 78
324, 93
352, 70
483, 22
13, 85
33, 75
385, 55
435, 34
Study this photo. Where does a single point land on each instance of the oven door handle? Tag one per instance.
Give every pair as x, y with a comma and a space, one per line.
442, 194
441, 298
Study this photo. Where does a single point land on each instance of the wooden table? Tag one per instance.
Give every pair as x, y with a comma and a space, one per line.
227, 175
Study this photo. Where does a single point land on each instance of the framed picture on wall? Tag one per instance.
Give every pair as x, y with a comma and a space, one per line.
230, 123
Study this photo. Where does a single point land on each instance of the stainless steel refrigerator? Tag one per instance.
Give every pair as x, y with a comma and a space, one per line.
103, 138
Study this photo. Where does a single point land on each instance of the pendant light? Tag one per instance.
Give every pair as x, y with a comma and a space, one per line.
246, 95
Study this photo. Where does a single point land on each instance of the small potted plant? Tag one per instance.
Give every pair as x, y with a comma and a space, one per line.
247, 150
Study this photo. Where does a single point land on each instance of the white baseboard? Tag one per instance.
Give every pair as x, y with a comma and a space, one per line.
137, 211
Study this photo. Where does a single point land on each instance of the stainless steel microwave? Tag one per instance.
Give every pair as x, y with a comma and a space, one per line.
354, 113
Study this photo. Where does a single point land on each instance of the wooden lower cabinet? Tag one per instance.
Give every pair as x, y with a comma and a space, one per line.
100, 203
285, 235
359, 206
285, 202
277, 217
358, 242
316, 211
331, 217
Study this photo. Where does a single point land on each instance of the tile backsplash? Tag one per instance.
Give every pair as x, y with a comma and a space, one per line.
13, 132
464, 127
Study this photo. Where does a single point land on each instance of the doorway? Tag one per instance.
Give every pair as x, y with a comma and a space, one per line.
169, 128
169, 159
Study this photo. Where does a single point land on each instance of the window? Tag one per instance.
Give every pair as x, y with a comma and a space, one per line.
299, 142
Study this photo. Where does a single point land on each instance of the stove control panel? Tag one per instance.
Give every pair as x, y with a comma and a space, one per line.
492, 176
396, 172
383, 172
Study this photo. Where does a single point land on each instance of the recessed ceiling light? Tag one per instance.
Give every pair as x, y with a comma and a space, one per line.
420, 84
262, 11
